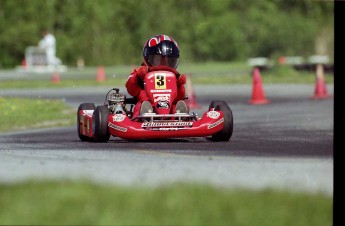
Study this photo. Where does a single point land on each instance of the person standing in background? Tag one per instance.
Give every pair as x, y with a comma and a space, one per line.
48, 43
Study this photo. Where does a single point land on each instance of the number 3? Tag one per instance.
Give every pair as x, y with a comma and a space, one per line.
160, 82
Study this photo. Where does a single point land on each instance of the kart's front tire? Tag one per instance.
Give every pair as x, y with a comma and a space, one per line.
84, 106
226, 133
100, 124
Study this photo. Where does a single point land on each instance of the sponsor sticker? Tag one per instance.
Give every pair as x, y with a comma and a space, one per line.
166, 124
213, 114
118, 117
88, 112
163, 104
212, 125
116, 127
161, 97
160, 81
168, 129
164, 129
87, 126
161, 91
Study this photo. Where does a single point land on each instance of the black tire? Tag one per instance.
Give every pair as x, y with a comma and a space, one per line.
226, 133
84, 106
100, 124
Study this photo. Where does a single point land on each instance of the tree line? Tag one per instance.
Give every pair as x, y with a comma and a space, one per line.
112, 32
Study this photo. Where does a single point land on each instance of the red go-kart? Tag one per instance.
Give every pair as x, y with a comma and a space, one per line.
115, 118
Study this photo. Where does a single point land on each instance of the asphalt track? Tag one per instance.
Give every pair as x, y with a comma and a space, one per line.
286, 144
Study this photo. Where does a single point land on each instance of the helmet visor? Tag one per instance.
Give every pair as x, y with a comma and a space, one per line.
159, 60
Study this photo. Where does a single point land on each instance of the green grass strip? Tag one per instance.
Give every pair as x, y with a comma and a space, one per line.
83, 203
24, 113
208, 73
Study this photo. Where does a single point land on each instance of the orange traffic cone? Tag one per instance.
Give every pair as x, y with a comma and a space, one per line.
258, 94
191, 101
320, 84
55, 78
100, 74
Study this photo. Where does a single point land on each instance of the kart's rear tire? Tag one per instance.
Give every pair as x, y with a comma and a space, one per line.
100, 124
226, 133
84, 106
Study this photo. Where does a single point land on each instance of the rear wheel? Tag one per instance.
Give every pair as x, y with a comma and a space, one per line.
226, 132
100, 124
84, 106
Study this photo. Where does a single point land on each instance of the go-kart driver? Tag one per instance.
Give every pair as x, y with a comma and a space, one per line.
159, 50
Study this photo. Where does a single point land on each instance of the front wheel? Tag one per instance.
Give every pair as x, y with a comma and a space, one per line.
100, 124
84, 106
226, 132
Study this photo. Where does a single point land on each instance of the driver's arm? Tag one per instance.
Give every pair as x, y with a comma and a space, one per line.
135, 80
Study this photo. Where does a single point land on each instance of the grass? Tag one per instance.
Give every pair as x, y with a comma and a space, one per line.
83, 203
24, 113
64, 83
47, 113
208, 73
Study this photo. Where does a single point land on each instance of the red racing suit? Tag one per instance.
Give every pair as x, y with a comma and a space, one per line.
135, 87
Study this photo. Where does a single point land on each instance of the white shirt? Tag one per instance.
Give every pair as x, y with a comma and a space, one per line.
48, 42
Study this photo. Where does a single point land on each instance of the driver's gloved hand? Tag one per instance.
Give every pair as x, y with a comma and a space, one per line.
142, 71
181, 80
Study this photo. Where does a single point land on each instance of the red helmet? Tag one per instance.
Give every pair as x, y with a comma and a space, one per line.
161, 50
